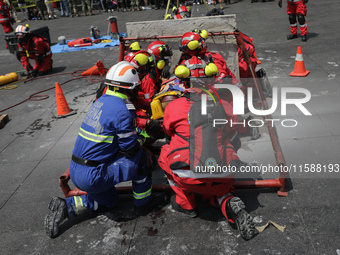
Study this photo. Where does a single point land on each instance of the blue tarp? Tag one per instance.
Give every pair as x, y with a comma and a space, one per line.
64, 48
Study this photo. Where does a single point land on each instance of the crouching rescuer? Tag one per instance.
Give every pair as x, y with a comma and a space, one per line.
197, 149
36, 47
107, 152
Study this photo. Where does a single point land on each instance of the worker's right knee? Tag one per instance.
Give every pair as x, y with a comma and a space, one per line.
292, 18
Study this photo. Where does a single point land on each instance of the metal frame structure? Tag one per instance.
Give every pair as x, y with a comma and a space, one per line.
279, 183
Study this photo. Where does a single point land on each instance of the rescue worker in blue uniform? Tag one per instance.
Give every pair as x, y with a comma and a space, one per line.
107, 152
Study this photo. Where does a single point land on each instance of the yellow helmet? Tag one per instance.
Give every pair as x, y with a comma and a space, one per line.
182, 71
134, 47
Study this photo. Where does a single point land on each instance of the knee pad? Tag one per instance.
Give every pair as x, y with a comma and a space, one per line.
292, 18
301, 19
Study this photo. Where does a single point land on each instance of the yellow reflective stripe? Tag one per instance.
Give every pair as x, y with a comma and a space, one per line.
116, 94
94, 137
142, 195
78, 202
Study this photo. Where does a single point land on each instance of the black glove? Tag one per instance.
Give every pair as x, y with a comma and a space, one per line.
154, 127
280, 3
34, 72
305, 1
166, 72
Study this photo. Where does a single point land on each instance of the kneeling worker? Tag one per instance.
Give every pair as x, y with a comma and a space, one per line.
107, 152
33, 46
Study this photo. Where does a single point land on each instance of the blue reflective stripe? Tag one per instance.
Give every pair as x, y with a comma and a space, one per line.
94, 137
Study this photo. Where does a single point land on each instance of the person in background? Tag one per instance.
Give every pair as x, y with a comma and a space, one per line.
40, 6
36, 47
296, 9
33, 14
5, 17
64, 9
50, 10
73, 7
86, 4
24, 11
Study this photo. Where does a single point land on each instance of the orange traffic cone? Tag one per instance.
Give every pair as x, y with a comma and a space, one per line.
63, 110
257, 60
98, 68
299, 68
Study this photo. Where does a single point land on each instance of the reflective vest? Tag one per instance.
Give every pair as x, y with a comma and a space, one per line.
108, 127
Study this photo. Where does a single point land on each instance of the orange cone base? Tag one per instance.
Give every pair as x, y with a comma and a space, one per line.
98, 68
72, 112
299, 74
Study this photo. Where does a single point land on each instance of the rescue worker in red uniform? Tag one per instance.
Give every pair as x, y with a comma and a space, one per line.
5, 17
296, 9
34, 47
162, 54
175, 158
107, 152
194, 44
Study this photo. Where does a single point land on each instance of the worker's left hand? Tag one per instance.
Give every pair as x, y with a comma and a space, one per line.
154, 126
34, 72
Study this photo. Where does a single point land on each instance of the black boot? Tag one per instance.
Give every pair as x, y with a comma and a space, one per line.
156, 203
290, 37
304, 38
56, 216
244, 222
191, 213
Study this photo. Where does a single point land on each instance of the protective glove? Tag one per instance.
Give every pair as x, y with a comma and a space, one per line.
154, 127
280, 3
166, 72
305, 1
35, 72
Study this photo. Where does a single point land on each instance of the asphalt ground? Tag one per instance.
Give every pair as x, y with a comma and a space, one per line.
35, 149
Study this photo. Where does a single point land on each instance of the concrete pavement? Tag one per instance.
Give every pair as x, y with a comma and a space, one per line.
35, 149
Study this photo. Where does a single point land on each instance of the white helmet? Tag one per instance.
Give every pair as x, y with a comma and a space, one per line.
122, 75
22, 29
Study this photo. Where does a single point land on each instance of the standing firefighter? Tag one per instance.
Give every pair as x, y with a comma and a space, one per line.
5, 17
36, 47
296, 9
107, 152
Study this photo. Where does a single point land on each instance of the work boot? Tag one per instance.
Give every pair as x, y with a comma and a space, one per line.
84, 13
91, 13
191, 213
56, 216
304, 38
290, 37
244, 222
156, 203
138, 8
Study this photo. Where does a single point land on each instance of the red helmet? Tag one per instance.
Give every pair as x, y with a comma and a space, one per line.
141, 60
193, 44
184, 11
160, 50
200, 68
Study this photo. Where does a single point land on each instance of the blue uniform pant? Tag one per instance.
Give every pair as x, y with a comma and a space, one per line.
99, 182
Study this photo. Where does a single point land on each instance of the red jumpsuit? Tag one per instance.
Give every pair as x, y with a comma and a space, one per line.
183, 181
297, 8
5, 17
37, 48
